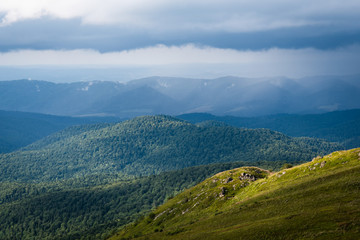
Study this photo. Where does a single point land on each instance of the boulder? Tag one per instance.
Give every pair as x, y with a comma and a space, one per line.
322, 164
229, 179
246, 176
223, 191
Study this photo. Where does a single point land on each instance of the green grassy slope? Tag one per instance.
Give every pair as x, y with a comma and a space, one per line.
315, 200
150, 145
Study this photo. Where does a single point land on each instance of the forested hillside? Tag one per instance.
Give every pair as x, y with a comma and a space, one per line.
339, 126
18, 129
92, 207
150, 145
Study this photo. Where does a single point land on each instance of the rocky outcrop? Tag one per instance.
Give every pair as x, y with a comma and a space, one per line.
227, 180
246, 176
322, 164
223, 191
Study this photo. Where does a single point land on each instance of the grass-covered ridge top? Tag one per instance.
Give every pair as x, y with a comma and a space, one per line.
315, 200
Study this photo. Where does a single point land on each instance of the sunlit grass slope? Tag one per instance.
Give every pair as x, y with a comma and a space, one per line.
315, 200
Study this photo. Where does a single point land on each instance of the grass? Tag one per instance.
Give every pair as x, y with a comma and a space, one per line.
316, 200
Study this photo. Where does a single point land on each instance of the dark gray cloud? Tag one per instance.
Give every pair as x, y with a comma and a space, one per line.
110, 25
69, 34
43, 34
195, 38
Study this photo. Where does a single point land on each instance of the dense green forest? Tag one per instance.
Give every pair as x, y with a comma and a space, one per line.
93, 207
18, 129
339, 126
150, 145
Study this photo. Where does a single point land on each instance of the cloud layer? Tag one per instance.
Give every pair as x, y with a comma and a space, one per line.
213, 37
192, 59
112, 25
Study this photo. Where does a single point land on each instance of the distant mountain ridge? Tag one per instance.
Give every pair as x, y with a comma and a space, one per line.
164, 95
338, 126
18, 129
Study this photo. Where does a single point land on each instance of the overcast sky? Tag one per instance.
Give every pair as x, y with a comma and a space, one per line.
197, 38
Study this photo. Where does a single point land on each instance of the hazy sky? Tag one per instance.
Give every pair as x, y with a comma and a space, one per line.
197, 38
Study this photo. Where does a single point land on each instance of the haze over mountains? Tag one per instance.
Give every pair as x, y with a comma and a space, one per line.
164, 95
337, 126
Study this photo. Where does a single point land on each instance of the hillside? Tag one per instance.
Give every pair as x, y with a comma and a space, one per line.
174, 96
337, 126
150, 145
91, 207
18, 129
315, 200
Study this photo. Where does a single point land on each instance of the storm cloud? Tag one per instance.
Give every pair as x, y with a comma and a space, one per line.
279, 37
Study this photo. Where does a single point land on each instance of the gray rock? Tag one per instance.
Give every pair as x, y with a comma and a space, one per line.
223, 191
246, 176
322, 164
228, 180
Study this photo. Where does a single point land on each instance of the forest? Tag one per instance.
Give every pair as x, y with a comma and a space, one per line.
150, 145
93, 207
338, 126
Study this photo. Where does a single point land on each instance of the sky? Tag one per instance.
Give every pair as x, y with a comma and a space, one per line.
75, 40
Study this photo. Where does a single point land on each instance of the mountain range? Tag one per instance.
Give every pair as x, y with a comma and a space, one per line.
337, 126
164, 95
18, 129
